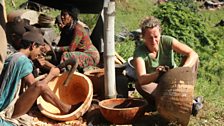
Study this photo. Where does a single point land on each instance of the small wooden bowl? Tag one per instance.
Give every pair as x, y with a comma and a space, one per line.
122, 110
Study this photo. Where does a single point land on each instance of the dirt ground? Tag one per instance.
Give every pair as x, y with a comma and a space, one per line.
93, 117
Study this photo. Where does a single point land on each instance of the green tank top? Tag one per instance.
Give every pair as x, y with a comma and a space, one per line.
164, 57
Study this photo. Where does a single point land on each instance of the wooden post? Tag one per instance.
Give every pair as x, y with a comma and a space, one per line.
109, 49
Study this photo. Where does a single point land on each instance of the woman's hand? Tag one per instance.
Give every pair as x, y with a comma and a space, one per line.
56, 49
46, 48
162, 69
41, 60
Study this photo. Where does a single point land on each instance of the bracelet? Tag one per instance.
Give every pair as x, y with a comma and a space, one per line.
56, 49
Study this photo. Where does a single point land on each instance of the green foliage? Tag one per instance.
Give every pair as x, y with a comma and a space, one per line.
13, 5
179, 21
191, 4
187, 26
125, 48
89, 19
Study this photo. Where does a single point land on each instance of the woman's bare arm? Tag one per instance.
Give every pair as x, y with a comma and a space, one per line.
143, 77
192, 56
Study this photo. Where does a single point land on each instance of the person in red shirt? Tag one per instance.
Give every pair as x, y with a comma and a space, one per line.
75, 41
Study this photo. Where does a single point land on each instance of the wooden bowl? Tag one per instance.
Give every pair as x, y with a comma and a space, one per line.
78, 91
122, 110
174, 94
97, 78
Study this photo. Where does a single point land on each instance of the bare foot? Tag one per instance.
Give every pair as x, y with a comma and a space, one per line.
65, 109
71, 108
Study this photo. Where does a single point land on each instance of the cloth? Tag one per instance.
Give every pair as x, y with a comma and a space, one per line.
3, 50
3, 40
10, 50
164, 57
15, 68
76, 43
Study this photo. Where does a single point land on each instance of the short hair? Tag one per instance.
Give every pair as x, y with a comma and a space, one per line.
73, 12
58, 20
150, 22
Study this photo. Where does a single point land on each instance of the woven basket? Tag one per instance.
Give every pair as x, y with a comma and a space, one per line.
174, 96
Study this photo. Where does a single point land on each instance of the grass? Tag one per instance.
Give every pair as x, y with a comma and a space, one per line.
10, 6
213, 112
132, 11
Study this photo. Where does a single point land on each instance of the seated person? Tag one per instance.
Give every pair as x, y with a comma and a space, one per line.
15, 30
17, 71
75, 41
60, 24
156, 52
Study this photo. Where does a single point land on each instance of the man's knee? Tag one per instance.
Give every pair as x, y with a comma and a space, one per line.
40, 86
148, 88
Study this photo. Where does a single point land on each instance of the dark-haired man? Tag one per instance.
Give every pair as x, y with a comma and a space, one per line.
17, 71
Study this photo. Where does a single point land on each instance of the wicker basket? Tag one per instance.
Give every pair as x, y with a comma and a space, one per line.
174, 96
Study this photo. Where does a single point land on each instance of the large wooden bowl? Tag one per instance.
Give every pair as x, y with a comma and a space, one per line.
79, 90
122, 110
174, 95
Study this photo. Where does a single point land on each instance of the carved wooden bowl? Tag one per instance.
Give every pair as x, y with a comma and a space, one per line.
78, 91
122, 110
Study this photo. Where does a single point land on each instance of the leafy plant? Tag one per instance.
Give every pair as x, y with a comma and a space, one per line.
187, 26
